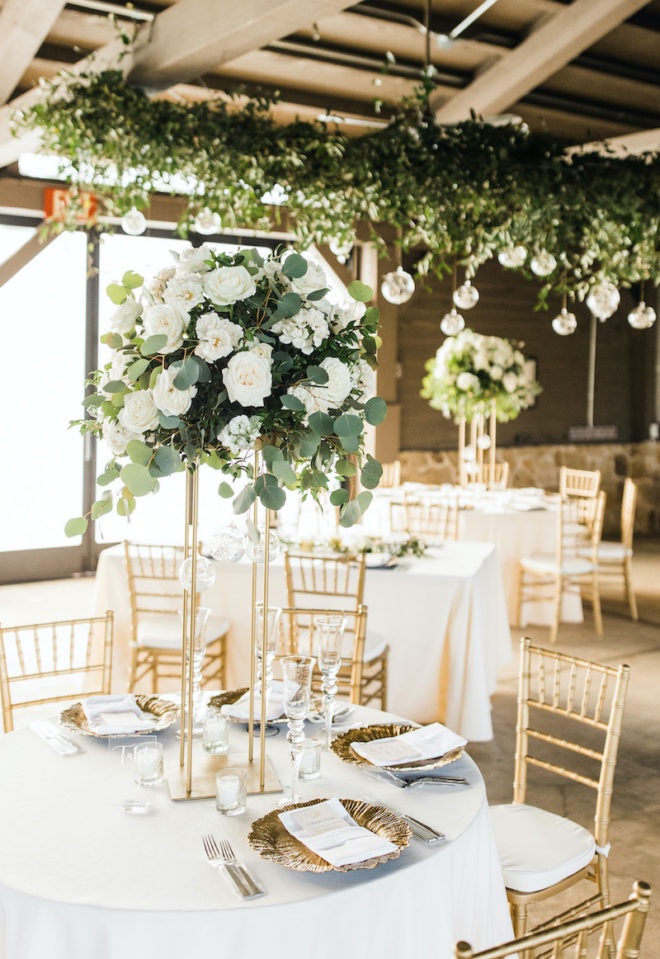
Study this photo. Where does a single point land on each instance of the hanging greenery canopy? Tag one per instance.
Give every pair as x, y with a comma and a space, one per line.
465, 191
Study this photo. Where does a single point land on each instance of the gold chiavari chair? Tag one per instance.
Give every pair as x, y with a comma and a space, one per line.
391, 475
574, 482
493, 477
576, 938
156, 596
52, 662
561, 700
428, 519
615, 559
572, 567
337, 582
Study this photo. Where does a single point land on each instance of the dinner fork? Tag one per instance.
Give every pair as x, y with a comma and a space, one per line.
224, 856
423, 780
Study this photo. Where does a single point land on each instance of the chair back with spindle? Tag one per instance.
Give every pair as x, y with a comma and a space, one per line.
431, 520
628, 507
579, 938
52, 662
320, 580
492, 475
574, 482
580, 526
391, 475
153, 582
591, 696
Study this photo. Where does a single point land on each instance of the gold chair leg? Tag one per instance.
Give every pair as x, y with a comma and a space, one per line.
519, 918
383, 694
154, 674
519, 596
598, 616
134, 666
556, 614
630, 592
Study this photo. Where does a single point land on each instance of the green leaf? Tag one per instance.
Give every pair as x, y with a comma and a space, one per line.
295, 266
321, 423
345, 468
138, 479
348, 425
360, 291
112, 339
153, 343
132, 280
289, 305
139, 452
75, 527
94, 399
116, 293
350, 444
316, 374
318, 294
137, 369
371, 474
168, 460
270, 454
364, 499
292, 403
253, 533
101, 506
117, 400
225, 490
188, 374
273, 497
338, 497
168, 422
204, 371
371, 317
115, 386
109, 475
284, 472
350, 514
375, 410
155, 373
308, 444
245, 499
282, 362
125, 505
319, 480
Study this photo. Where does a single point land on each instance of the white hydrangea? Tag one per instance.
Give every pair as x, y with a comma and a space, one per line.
239, 433
218, 337
510, 382
310, 398
468, 382
305, 331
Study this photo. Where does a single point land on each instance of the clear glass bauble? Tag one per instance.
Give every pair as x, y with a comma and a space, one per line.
398, 287
466, 296
543, 264
452, 322
483, 442
207, 222
603, 299
469, 454
255, 551
227, 544
564, 323
512, 257
642, 317
205, 576
133, 222
341, 248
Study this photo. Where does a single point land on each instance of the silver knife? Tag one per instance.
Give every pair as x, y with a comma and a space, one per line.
246, 889
421, 829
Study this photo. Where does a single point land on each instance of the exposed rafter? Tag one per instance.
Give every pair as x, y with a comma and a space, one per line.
23, 26
641, 142
544, 52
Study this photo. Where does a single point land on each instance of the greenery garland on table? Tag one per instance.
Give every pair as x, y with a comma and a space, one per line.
465, 191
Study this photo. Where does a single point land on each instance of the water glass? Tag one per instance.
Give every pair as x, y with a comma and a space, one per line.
297, 683
328, 638
272, 626
215, 733
310, 763
148, 759
202, 614
231, 791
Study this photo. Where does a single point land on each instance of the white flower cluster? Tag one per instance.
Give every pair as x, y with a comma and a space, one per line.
306, 330
240, 433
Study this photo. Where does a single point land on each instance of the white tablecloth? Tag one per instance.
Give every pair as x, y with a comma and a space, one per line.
444, 617
80, 879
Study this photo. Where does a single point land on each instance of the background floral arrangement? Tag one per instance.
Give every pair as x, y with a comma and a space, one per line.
469, 371
222, 355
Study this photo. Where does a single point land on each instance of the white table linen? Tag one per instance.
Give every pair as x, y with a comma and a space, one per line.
80, 878
444, 617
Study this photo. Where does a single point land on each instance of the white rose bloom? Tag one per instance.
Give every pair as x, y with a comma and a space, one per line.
248, 378
184, 289
157, 285
467, 382
339, 383
261, 349
123, 319
218, 337
139, 413
170, 400
117, 436
168, 319
496, 372
341, 316
366, 381
314, 279
510, 382
192, 259
228, 284
518, 358
480, 360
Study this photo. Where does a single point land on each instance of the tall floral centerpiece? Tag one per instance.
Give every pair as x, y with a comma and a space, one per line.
240, 363
474, 379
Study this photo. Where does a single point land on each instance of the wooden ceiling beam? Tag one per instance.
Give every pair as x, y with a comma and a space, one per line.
543, 53
24, 24
631, 143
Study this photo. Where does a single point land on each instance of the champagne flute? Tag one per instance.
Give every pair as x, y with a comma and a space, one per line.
297, 681
328, 637
202, 614
272, 624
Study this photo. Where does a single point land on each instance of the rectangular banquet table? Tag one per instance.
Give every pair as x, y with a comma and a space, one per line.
444, 617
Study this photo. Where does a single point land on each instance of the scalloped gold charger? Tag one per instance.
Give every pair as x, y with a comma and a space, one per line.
165, 714
272, 840
231, 696
342, 746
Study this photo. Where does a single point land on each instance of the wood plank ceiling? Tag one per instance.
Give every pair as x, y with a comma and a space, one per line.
583, 70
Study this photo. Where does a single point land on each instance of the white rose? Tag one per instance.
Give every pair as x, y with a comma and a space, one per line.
339, 383
170, 400
261, 349
313, 279
139, 413
496, 372
168, 319
192, 259
157, 285
366, 381
117, 436
184, 289
218, 337
228, 284
467, 382
247, 378
510, 382
341, 316
123, 319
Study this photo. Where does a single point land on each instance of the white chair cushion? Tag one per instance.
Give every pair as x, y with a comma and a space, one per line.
572, 565
537, 848
610, 552
163, 631
374, 645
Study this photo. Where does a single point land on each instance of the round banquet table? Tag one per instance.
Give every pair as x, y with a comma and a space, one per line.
80, 878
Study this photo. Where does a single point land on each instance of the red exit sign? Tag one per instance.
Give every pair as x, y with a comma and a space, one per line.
61, 204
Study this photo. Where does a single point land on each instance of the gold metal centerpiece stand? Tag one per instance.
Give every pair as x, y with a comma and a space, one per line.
482, 424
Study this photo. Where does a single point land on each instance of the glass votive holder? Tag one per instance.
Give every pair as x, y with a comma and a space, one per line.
310, 763
148, 759
215, 733
231, 791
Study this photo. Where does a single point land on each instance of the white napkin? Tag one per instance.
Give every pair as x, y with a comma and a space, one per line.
240, 710
113, 715
329, 831
56, 739
427, 742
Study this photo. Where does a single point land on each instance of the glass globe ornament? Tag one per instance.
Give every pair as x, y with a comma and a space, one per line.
512, 257
255, 550
603, 299
227, 544
398, 287
205, 577
452, 322
483, 442
466, 296
207, 222
543, 264
341, 248
642, 317
564, 323
133, 222
469, 454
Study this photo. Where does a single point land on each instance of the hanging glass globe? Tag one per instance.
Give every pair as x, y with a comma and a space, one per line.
512, 257
207, 222
642, 317
565, 323
469, 455
228, 544
133, 222
466, 296
452, 322
483, 442
205, 576
398, 287
341, 248
603, 299
255, 551
543, 264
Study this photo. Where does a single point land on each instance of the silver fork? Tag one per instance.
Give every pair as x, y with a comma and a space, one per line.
224, 856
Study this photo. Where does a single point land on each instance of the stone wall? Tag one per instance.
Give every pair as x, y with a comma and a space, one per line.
539, 466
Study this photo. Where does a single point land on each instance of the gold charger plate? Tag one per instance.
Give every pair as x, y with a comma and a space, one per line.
272, 841
342, 746
231, 696
165, 712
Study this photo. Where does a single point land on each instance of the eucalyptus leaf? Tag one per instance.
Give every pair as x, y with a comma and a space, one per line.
318, 294
308, 444
292, 403
375, 410
273, 497
76, 526
125, 506
345, 468
371, 474
138, 479
360, 291
115, 386
153, 344
364, 499
137, 369
116, 293
168, 422
270, 454
187, 375
316, 374
348, 425
168, 460
112, 339
245, 499
101, 507
139, 452
321, 423
351, 513
284, 472
295, 266
132, 280
338, 497
225, 490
